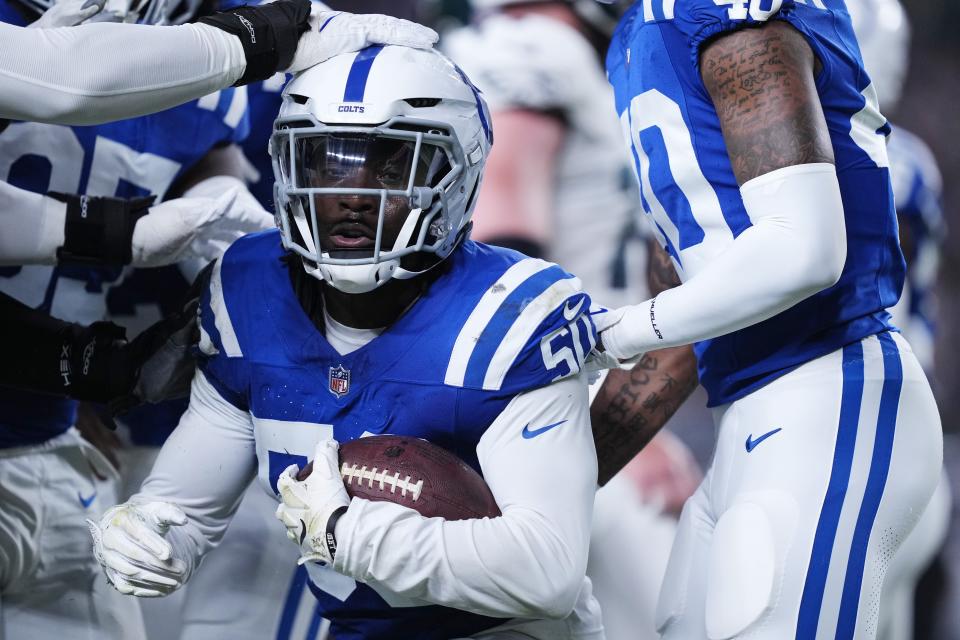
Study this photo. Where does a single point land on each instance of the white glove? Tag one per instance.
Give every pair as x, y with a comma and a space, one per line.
245, 215
129, 544
311, 508
334, 32
196, 227
68, 13
606, 319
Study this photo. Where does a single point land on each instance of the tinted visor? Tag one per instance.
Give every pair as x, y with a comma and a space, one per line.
359, 161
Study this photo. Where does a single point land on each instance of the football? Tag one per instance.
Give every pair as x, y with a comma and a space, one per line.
414, 473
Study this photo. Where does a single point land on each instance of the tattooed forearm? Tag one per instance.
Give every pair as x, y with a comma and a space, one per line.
633, 405
761, 81
660, 272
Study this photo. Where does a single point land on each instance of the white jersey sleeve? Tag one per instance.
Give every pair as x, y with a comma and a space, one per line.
97, 73
527, 62
539, 460
33, 226
203, 468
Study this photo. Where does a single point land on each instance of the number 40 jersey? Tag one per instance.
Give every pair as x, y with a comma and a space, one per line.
692, 199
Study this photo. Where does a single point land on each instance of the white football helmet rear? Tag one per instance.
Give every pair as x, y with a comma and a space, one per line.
883, 32
413, 110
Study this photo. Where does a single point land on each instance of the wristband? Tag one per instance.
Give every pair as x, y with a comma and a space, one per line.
98, 230
331, 538
269, 34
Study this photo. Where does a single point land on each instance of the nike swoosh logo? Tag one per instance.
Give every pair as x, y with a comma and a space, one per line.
571, 313
86, 502
528, 434
752, 444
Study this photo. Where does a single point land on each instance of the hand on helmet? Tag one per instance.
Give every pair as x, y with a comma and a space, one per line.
334, 32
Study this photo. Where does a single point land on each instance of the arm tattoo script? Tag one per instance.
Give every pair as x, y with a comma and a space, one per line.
761, 81
633, 405
660, 272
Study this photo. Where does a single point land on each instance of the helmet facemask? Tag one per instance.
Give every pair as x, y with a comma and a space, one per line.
363, 204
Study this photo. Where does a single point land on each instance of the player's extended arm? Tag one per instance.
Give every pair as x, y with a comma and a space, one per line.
514, 208
762, 84
40, 229
96, 73
186, 502
634, 404
529, 562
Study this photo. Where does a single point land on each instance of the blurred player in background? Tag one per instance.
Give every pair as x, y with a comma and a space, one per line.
883, 33
761, 153
416, 330
559, 185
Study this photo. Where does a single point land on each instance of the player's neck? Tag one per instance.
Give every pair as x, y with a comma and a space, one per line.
375, 309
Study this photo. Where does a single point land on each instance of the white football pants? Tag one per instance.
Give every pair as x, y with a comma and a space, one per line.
817, 478
51, 586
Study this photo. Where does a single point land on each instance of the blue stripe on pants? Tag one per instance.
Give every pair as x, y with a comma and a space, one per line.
876, 481
292, 602
851, 398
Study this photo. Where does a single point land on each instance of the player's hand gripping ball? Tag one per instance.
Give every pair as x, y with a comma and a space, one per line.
410, 472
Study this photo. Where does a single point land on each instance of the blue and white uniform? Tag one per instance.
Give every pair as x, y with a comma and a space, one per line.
790, 533
45, 547
486, 364
126, 159
692, 198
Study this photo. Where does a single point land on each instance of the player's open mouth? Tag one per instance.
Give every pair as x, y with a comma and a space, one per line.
351, 236
347, 242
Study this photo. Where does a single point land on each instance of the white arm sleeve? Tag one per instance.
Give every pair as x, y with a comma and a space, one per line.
96, 73
796, 247
33, 226
530, 562
203, 468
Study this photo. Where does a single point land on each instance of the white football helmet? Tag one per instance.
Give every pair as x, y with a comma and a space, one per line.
399, 126
883, 32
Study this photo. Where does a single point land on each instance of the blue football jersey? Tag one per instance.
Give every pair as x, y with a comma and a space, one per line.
918, 191
129, 158
692, 199
265, 101
493, 325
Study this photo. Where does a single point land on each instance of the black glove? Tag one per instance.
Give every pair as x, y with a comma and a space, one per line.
99, 230
95, 363
164, 352
269, 34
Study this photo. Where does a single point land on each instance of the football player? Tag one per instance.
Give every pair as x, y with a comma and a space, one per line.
73, 76
763, 165
883, 32
372, 312
558, 175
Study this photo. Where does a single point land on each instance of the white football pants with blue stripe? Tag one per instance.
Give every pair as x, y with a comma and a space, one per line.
817, 478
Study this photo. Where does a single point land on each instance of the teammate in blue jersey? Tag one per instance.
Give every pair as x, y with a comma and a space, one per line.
372, 312
761, 157
47, 589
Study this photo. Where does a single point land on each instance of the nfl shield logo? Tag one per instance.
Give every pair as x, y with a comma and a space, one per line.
339, 381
